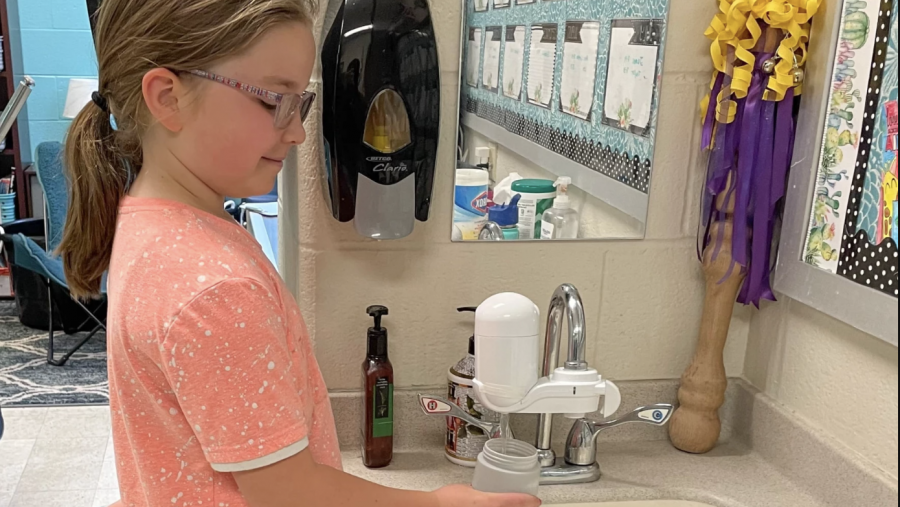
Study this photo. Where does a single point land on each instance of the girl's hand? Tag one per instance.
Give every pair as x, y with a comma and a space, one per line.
454, 496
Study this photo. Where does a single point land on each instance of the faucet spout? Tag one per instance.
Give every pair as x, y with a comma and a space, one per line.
565, 299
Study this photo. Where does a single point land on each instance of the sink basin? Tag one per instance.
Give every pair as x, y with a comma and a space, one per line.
654, 503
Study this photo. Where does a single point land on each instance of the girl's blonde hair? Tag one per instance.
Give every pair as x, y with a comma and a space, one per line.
133, 37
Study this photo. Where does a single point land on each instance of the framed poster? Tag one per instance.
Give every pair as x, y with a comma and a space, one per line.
838, 252
473, 57
542, 64
853, 223
513, 61
579, 72
501, 4
631, 74
493, 37
481, 5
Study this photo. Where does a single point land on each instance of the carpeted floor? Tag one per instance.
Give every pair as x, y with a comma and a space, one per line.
27, 379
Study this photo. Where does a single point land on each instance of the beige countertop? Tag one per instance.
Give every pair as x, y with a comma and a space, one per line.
730, 476
768, 457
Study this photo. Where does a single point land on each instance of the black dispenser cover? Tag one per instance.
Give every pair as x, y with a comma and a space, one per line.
377, 54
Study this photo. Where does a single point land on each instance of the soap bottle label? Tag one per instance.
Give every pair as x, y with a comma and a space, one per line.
383, 408
547, 230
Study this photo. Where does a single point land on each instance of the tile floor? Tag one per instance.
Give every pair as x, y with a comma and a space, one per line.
57, 457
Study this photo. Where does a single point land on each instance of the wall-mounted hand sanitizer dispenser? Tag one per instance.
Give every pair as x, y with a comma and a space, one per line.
381, 115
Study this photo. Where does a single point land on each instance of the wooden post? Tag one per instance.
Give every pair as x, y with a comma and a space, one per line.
695, 426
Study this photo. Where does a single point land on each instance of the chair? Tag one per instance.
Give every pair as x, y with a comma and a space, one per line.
27, 254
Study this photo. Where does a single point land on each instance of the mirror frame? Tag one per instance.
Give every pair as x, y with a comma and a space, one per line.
861, 307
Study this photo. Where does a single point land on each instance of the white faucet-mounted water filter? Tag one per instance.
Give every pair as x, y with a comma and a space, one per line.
506, 349
508, 358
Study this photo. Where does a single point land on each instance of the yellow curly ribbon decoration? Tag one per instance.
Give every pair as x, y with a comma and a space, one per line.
736, 31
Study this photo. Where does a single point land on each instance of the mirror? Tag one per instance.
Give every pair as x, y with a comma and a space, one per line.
558, 102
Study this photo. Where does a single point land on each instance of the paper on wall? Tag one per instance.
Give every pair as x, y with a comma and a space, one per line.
473, 57
579, 75
79, 95
491, 75
542, 64
630, 80
513, 61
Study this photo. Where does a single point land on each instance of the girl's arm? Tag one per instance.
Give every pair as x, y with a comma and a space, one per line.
299, 481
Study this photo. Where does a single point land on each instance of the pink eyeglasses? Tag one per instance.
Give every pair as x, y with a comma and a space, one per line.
285, 105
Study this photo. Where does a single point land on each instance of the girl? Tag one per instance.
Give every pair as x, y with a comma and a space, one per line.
216, 396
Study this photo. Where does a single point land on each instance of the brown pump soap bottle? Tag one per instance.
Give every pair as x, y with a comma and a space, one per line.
378, 380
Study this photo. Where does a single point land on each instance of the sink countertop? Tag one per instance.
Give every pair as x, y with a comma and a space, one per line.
730, 476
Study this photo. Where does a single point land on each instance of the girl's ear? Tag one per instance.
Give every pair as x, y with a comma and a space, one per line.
166, 97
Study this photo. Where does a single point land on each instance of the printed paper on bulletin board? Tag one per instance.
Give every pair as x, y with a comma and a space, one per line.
513, 61
630, 80
473, 57
579, 74
493, 38
542, 64
481, 5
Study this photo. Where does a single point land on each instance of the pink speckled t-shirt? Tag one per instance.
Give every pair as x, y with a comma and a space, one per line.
211, 369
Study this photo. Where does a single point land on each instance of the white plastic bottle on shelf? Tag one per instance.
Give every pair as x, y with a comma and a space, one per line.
560, 221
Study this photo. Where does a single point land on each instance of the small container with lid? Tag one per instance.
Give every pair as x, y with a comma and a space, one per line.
537, 197
508, 466
507, 217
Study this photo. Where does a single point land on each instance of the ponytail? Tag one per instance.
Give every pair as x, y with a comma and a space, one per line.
98, 177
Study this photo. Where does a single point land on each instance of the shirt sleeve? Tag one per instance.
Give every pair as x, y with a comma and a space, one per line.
234, 371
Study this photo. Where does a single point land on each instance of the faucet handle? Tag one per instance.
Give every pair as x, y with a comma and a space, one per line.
657, 415
581, 449
433, 405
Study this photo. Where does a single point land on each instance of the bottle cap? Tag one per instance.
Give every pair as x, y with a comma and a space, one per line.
506, 215
533, 186
377, 335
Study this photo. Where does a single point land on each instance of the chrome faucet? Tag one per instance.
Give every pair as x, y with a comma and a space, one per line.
580, 462
491, 232
566, 298
558, 391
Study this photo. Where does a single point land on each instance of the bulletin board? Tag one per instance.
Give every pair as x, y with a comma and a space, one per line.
553, 76
853, 223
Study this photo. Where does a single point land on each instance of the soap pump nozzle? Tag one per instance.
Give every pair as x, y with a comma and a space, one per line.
377, 335
377, 311
562, 192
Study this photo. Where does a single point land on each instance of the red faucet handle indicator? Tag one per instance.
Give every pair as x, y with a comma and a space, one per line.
433, 406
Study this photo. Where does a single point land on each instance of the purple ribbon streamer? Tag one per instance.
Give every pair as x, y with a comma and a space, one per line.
758, 274
757, 175
750, 132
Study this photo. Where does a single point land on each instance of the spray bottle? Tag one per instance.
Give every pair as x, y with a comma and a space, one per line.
560, 221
